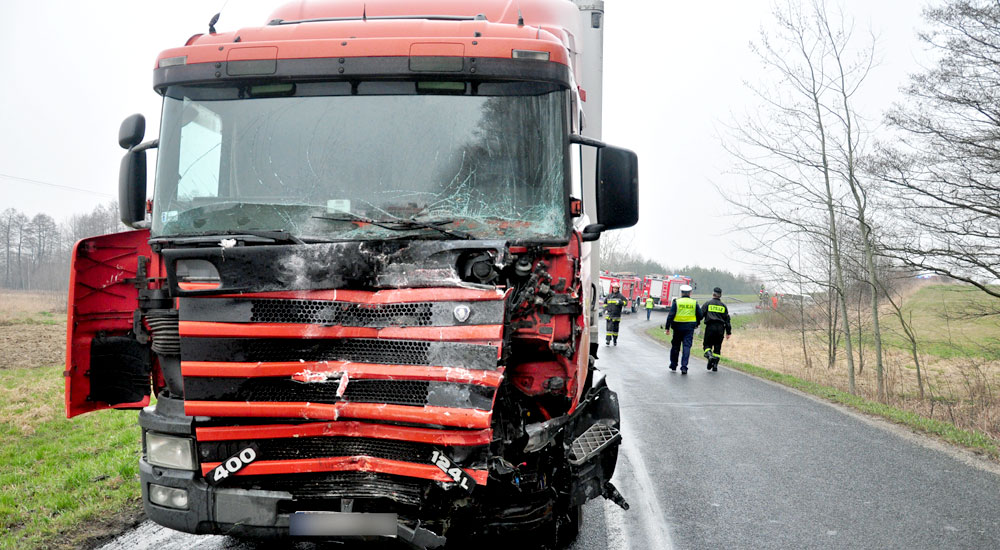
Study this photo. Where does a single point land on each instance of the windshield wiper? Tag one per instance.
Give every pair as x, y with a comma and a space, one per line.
247, 235
400, 224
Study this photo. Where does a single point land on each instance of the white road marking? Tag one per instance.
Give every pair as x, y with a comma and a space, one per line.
614, 520
642, 498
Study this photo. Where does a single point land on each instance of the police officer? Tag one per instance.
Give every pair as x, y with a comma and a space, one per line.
649, 306
717, 324
613, 305
684, 317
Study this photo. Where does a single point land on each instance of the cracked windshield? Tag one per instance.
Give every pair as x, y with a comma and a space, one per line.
427, 159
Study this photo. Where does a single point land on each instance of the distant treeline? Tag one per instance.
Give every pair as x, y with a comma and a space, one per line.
35, 251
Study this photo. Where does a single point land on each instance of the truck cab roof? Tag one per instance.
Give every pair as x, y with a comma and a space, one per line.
392, 28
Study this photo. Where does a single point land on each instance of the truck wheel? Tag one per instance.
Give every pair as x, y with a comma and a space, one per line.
568, 526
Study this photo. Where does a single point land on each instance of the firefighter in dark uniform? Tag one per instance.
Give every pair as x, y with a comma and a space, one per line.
717, 324
613, 305
684, 317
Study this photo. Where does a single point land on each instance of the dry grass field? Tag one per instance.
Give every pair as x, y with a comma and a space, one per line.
32, 329
959, 358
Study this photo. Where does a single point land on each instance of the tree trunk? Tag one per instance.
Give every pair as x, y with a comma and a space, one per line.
838, 270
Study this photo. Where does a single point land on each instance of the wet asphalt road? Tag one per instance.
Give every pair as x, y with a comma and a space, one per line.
724, 460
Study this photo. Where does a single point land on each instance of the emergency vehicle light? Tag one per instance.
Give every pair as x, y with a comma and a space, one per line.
529, 54
172, 61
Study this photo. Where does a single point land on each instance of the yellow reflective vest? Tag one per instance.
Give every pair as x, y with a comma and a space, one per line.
686, 310
649, 303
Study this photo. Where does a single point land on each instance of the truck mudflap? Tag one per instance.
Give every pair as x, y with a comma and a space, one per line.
592, 448
590, 438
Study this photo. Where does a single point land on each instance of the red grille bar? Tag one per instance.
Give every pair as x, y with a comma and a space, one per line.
353, 370
482, 333
348, 429
440, 416
348, 464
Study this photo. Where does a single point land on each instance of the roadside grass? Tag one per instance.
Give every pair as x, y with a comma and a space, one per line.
949, 323
971, 439
62, 481
974, 440
727, 297
35, 318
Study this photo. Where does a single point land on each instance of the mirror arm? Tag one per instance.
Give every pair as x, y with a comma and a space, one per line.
151, 144
584, 140
591, 232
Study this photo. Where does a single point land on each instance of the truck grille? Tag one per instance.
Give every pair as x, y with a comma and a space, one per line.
398, 392
319, 312
377, 403
339, 484
358, 350
361, 350
318, 447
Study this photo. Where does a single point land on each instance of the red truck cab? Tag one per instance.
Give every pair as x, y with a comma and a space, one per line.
362, 299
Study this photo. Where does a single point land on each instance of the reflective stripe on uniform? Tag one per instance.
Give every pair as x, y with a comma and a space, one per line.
686, 310
716, 309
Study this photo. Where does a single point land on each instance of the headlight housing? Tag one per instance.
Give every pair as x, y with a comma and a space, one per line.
168, 496
169, 451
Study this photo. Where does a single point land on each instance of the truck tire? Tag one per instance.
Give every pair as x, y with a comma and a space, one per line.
568, 526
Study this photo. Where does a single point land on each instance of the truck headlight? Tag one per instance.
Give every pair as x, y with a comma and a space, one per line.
169, 451
168, 496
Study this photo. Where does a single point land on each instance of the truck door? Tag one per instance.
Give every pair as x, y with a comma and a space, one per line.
106, 365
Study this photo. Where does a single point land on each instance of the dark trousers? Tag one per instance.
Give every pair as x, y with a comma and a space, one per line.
715, 333
683, 335
648, 311
611, 329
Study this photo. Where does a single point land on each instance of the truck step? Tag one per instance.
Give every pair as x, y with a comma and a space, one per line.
591, 442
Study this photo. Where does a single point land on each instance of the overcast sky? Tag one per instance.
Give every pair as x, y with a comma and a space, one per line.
674, 73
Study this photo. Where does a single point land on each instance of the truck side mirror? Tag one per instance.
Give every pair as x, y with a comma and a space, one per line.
132, 174
617, 187
132, 187
131, 131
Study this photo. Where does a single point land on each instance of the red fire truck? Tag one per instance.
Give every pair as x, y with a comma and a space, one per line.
630, 284
358, 317
663, 288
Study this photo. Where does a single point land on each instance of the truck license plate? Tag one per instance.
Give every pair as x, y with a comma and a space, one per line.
328, 524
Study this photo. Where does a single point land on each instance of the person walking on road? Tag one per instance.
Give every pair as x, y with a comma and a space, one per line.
684, 317
717, 324
649, 306
613, 305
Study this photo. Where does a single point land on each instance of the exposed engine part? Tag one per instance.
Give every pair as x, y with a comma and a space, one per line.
163, 324
477, 267
523, 266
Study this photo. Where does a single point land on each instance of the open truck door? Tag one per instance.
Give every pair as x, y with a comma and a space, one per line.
106, 364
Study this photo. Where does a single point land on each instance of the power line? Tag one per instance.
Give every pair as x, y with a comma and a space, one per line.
88, 191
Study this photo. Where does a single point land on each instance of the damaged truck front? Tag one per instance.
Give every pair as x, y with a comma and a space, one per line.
362, 295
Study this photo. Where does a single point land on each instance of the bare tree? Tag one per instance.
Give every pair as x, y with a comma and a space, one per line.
793, 153
848, 78
945, 165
